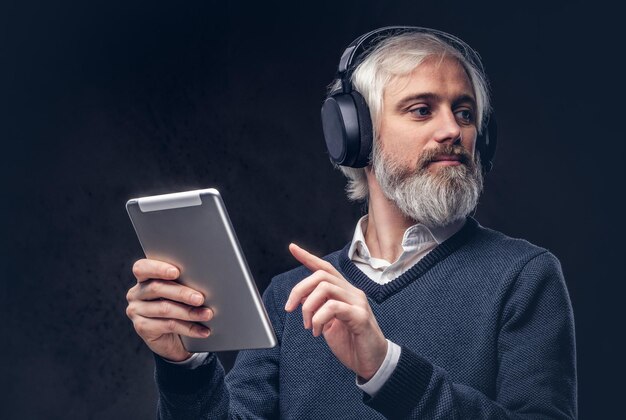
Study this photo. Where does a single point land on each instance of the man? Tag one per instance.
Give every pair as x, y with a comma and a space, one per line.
425, 314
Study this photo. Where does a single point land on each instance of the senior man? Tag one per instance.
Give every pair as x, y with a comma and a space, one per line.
425, 313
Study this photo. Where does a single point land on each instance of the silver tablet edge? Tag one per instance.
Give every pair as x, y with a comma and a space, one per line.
269, 331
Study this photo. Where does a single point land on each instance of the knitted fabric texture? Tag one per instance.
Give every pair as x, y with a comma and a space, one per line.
486, 330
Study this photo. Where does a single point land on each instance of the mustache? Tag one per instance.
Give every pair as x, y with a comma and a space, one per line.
431, 155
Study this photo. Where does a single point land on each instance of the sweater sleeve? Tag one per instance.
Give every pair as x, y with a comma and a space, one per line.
536, 377
249, 390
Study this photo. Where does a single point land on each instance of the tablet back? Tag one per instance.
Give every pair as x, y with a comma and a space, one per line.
192, 231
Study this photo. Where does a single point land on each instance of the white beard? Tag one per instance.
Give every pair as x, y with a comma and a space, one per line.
435, 199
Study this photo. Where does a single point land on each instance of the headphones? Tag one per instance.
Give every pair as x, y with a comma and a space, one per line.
346, 117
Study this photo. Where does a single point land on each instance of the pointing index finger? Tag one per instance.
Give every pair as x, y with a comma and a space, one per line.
311, 261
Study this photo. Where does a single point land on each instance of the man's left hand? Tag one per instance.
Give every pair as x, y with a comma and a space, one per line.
334, 308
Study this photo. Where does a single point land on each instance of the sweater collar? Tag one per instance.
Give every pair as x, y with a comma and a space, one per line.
381, 292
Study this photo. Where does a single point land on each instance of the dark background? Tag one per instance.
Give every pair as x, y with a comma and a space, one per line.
101, 102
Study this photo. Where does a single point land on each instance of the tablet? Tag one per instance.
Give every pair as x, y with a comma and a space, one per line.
192, 231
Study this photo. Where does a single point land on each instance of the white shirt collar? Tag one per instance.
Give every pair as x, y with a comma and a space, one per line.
415, 238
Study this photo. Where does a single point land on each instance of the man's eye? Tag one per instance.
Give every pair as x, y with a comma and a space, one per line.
465, 115
421, 111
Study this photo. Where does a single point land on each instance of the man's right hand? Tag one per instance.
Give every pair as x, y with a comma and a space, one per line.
162, 309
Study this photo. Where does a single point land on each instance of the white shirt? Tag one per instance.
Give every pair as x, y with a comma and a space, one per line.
417, 242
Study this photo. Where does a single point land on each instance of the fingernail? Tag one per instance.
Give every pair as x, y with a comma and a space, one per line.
287, 304
172, 272
205, 332
197, 299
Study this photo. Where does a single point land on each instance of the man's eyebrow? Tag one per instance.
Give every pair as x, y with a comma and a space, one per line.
426, 96
433, 97
465, 98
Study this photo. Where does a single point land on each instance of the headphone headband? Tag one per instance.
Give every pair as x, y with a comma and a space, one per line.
360, 44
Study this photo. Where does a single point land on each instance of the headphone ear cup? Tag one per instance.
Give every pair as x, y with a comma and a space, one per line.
341, 128
347, 129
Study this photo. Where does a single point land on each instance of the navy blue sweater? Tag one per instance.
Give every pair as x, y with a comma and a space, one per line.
486, 330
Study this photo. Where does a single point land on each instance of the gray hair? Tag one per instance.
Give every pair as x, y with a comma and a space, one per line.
394, 56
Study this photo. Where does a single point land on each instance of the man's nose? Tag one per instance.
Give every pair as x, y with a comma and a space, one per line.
448, 129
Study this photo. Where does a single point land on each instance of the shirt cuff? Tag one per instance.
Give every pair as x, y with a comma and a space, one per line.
196, 359
377, 381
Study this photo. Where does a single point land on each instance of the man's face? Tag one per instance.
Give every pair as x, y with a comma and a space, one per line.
427, 111
424, 156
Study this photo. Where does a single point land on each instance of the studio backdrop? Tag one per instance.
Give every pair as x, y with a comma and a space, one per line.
102, 102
